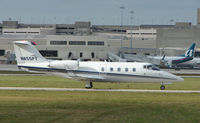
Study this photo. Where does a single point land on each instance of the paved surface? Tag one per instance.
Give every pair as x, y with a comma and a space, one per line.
100, 90
23, 74
183, 71
9, 67
190, 76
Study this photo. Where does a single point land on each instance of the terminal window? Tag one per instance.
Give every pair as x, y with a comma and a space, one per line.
9, 32
99, 43
34, 32
58, 42
49, 53
2, 52
76, 42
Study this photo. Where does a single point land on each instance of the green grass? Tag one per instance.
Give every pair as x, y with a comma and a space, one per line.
86, 107
58, 82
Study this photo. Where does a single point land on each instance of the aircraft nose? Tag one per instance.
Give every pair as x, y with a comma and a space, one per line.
175, 78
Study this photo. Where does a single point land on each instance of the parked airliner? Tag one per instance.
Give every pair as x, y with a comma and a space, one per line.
165, 61
28, 57
173, 61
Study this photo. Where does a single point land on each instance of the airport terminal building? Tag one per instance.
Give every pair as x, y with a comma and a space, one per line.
95, 42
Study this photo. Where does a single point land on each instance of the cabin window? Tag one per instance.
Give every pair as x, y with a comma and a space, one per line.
111, 69
145, 67
133, 69
119, 69
126, 69
102, 69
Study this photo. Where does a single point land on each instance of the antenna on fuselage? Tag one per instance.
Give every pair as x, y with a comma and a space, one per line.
78, 60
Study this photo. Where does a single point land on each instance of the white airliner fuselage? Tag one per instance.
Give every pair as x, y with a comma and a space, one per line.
195, 62
28, 57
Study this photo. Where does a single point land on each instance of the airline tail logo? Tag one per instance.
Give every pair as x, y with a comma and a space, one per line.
190, 51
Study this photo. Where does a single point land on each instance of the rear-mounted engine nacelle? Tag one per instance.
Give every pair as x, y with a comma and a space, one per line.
68, 65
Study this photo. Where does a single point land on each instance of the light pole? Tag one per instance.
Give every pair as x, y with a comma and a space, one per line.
131, 41
122, 8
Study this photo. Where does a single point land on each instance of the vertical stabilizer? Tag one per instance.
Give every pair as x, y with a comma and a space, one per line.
27, 53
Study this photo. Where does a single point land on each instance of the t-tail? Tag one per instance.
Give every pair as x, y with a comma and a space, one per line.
27, 53
190, 51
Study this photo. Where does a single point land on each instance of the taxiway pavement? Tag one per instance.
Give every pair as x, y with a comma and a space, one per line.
99, 90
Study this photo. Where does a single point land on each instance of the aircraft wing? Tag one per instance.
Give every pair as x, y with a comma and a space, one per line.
90, 77
80, 76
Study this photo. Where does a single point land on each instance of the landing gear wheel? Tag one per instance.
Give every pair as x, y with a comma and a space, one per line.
88, 85
162, 87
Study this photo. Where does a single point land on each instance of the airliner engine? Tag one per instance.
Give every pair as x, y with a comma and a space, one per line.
68, 65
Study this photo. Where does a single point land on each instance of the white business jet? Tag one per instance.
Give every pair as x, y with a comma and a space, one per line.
28, 57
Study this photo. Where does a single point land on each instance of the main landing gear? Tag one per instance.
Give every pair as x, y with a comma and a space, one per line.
88, 85
162, 87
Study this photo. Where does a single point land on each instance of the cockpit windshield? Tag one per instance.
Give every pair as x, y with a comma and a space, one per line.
151, 67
